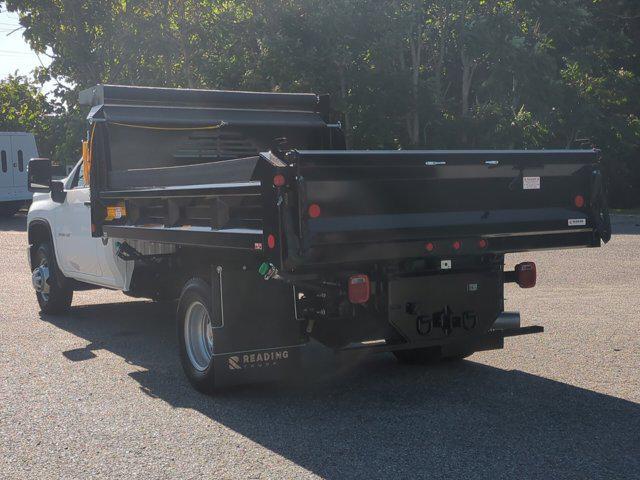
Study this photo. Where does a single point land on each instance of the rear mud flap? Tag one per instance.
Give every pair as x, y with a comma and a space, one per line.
255, 366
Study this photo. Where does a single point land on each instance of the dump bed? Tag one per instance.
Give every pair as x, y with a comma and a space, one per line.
268, 174
375, 204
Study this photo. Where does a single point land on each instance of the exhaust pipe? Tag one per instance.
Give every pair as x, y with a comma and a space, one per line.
507, 320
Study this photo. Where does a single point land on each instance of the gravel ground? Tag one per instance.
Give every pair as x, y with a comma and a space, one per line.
99, 392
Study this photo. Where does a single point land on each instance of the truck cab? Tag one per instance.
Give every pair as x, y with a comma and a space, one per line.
63, 217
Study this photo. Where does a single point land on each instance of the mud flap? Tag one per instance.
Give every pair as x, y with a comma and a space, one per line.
599, 208
256, 334
255, 366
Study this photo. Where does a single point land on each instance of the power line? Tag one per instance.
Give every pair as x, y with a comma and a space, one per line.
15, 52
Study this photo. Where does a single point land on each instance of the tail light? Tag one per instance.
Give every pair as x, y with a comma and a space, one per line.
279, 180
578, 201
359, 288
482, 243
314, 210
526, 274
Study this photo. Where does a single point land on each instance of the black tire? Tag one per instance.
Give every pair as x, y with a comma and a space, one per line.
457, 357
195, 291
58, 299
418, 356
9, 210
426, 356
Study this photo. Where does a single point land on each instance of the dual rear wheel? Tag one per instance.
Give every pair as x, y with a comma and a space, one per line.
195, 334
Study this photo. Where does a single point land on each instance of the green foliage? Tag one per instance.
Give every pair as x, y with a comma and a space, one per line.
403, 73
22, 106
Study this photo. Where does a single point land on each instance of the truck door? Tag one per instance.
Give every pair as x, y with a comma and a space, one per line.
82, 256
22, 150
78, 250
6, 173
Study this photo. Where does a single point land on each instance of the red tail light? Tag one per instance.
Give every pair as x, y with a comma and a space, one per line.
359, 288
314, 210
526, 274
279, 180
482, 243
429, 247
578, 201
456, 245
271, 241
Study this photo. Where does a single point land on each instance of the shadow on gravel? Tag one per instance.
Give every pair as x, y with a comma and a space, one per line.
16, 223
377, 419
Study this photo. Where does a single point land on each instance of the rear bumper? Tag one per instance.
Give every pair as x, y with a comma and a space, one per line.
491, 340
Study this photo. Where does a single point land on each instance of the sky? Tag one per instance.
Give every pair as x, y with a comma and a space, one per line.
15, 53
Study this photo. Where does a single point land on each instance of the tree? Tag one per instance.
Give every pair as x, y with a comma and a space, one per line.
403, 73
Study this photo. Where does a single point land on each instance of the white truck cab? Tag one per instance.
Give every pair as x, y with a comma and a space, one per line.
16, 148
63, 219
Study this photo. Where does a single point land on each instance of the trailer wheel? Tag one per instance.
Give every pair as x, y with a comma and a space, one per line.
195, 334
53, 293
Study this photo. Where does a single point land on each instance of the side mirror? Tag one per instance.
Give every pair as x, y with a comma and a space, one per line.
39, 175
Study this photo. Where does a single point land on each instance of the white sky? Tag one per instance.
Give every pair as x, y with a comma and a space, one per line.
15, 53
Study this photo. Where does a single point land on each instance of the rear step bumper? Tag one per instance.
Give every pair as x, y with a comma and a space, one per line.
492, 340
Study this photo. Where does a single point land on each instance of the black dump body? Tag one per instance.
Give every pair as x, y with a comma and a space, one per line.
240, 171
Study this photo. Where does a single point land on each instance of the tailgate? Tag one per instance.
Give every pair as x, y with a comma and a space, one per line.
363, 205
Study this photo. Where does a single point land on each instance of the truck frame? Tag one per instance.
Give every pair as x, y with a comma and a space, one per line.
247, 208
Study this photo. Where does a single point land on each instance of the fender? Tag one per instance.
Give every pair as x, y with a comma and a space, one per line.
43, 223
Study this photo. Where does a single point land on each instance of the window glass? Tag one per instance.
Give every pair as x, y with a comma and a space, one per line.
78, 181
20, 161
3, 154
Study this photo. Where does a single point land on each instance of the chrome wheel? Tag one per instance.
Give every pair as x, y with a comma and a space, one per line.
198, 336
40, 280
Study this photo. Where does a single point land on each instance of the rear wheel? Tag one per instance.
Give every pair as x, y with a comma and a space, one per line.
9, 210
418, 356
53, 293
425, 356
195, 334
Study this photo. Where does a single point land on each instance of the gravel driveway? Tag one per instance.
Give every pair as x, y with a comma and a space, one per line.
99, 392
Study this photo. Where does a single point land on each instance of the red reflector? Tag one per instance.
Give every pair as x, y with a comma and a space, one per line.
429, 247
526, 274
314, 210
359, 288
578, 201
279, 180
271, 241
482, 243
456, 245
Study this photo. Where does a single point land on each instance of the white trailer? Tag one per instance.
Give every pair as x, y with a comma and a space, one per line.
16, 148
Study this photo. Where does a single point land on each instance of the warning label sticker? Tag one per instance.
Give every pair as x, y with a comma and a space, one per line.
531, 183
574, 222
